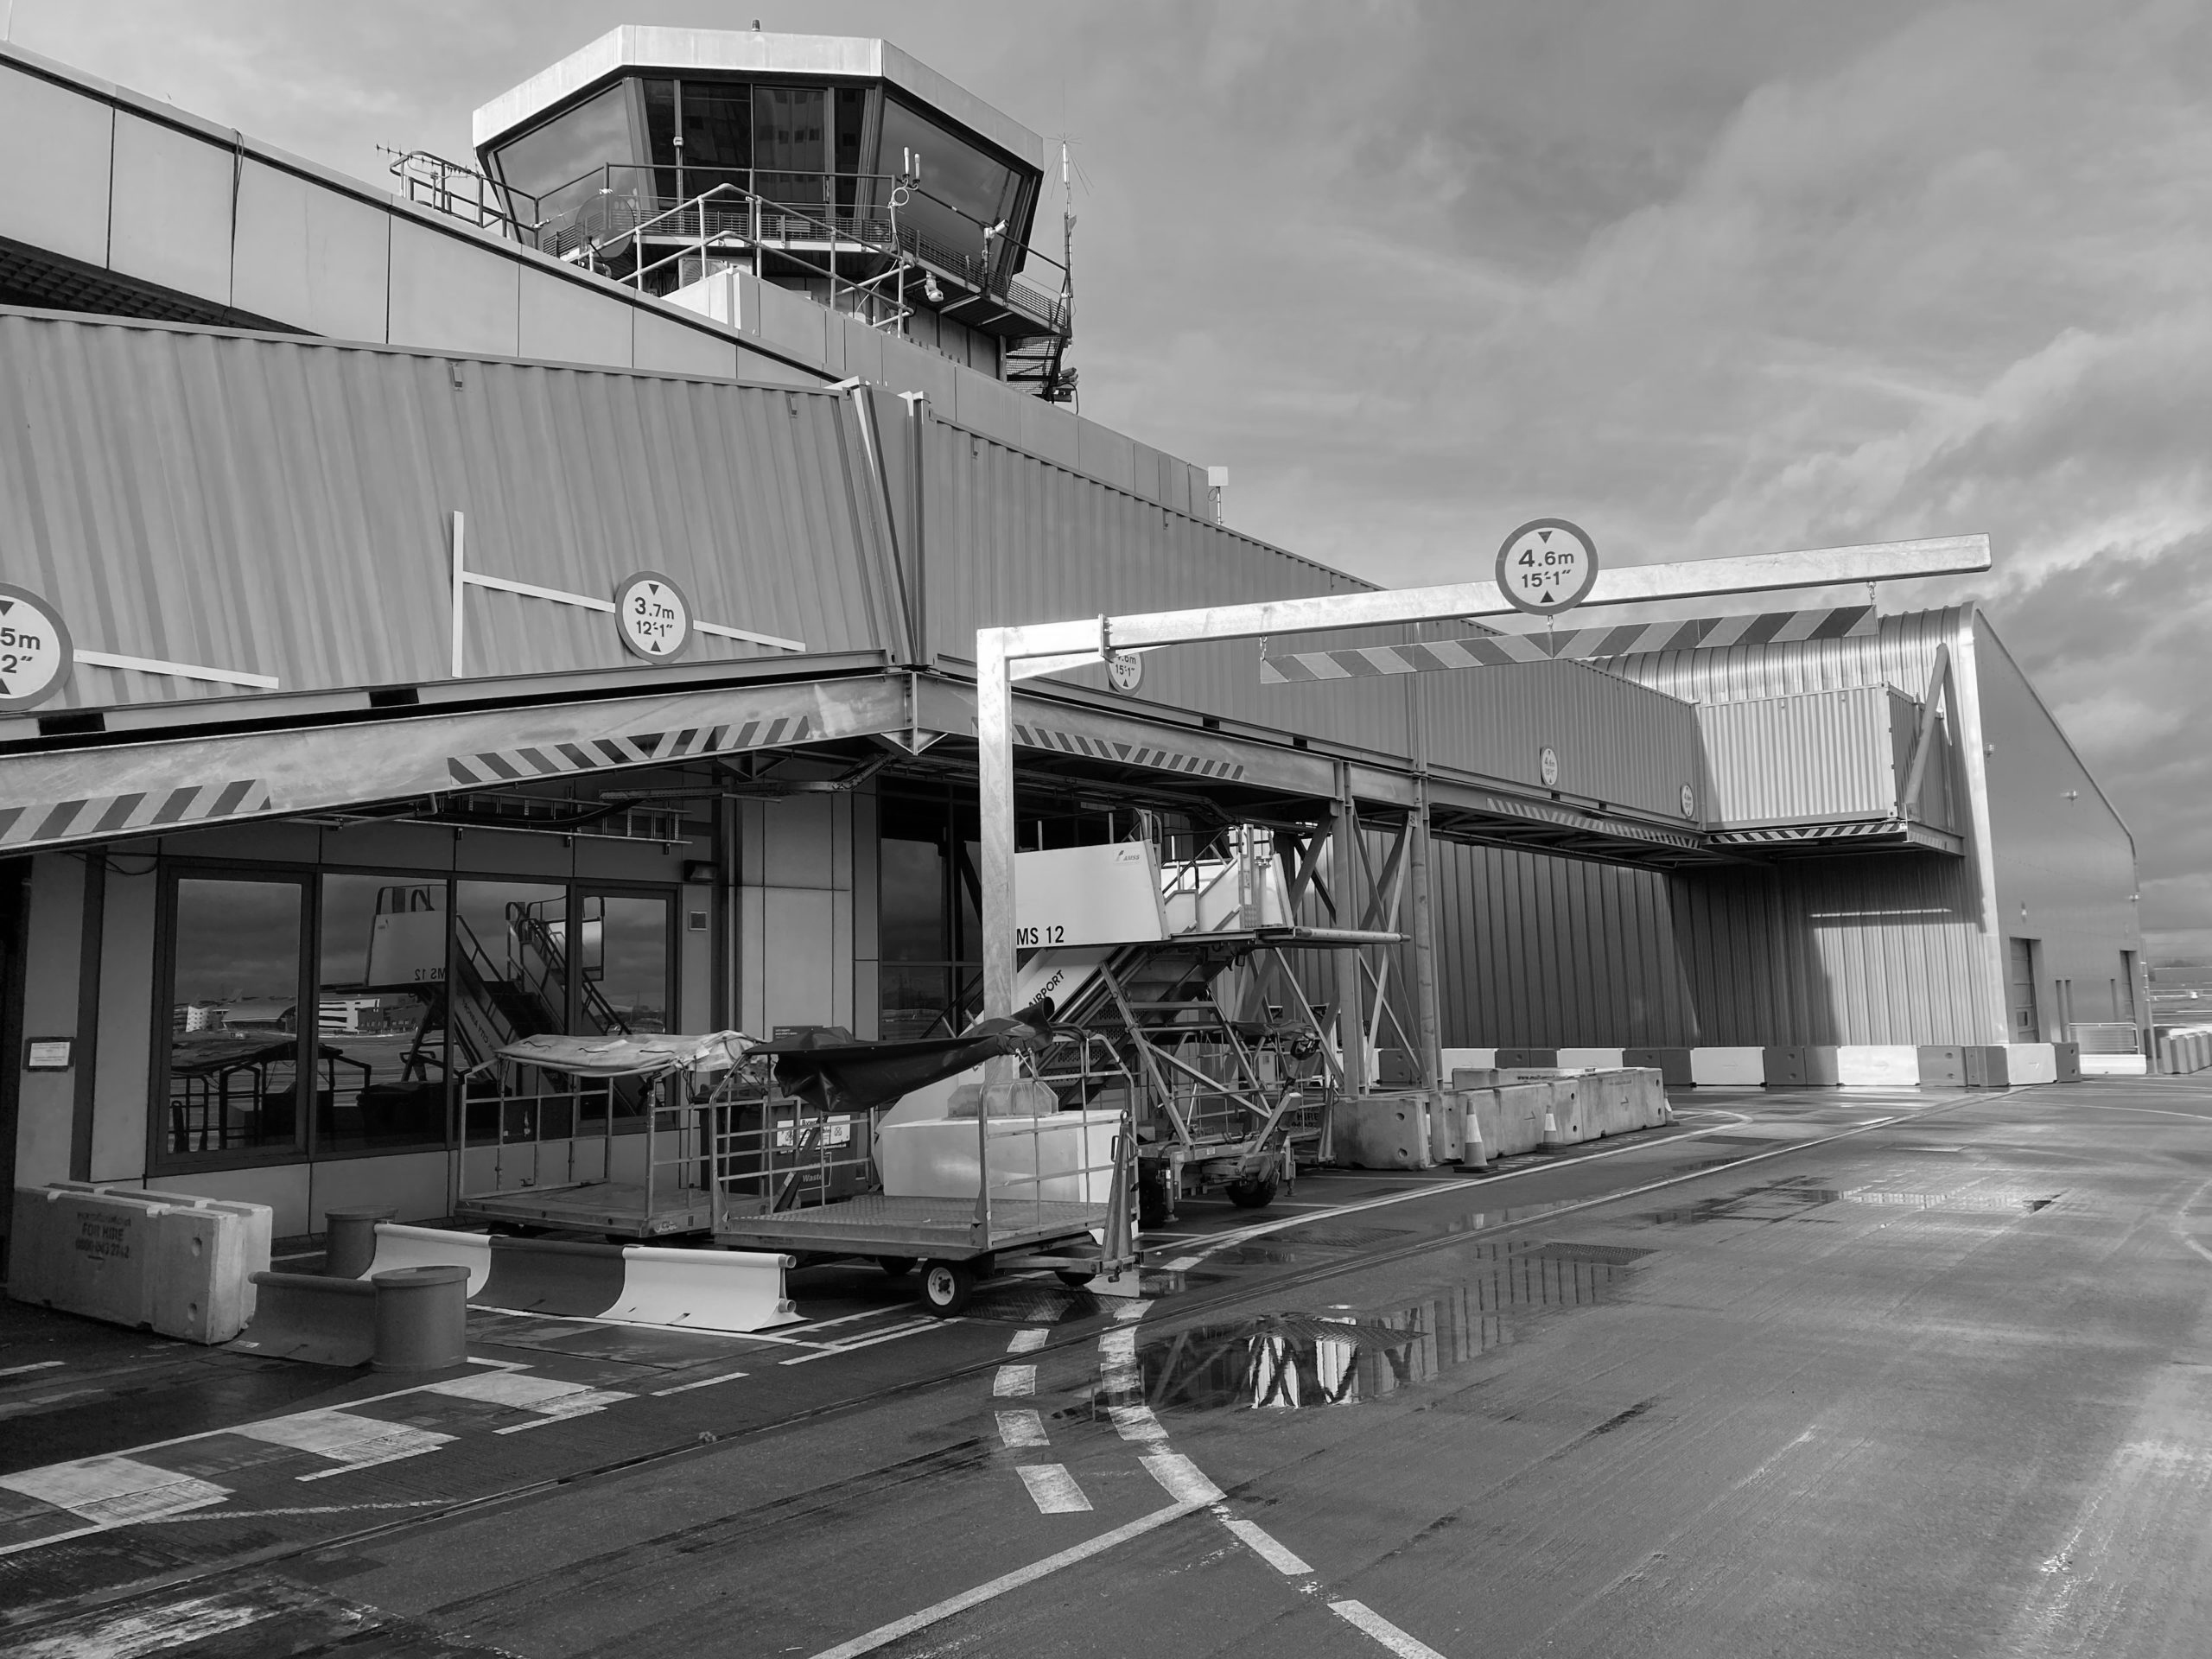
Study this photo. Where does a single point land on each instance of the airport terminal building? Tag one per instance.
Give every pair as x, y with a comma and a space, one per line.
542, 597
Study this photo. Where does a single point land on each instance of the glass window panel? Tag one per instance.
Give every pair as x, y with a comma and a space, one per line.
913, 1000
233, 995
788, 147
627, 990
717, 128
570, 145
381, 1059
852, 124
660, 134
510, 981
957, 179
912, 888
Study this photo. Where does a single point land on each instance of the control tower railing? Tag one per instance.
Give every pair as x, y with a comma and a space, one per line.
631, 221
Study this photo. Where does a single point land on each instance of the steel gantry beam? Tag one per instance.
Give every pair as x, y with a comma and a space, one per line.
1004, 655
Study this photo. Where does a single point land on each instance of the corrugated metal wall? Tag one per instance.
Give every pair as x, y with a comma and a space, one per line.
281, 507
1817, 755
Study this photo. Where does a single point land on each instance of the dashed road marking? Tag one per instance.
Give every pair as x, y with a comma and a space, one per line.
703, 1382
1360, 1616
344, 1439
1266, 1547
1182, 1479
1021, 1428
870, 1340
1130, 1313
36, 1365
1014, 1381
1052, 1489
1028, 1340
1136, 1423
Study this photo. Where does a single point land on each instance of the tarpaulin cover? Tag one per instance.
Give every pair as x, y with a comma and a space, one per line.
650, 1054
831, 1067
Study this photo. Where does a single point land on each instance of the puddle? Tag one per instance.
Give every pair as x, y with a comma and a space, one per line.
1307, 1361
1770, 1201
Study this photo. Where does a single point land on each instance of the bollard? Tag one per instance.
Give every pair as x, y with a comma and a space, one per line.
350, 1239
422, 1319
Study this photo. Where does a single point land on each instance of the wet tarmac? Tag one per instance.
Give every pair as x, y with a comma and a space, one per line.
1878, 1381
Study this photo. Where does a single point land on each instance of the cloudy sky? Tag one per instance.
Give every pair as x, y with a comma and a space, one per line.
1709, 277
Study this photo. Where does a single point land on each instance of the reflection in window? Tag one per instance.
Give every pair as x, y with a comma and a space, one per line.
510, 966
957, 179
626, 989
569, 146
233, 996
787, 145
381, 1007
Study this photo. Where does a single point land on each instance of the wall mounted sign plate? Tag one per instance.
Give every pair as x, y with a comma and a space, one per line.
1547, 566
653, 616
36, 654
1548, 766
1689, 802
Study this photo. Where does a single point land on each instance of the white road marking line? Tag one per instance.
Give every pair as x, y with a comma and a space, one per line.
304, 1509
536, 1422
1136, 1423
884, 1635
703, 1382
1014, 1381
134, 1634
1184, 1264
2198, 1248
1360, 1616
1021, 1428
1130, 1313
1052, 1489
29, 1407
1118, 1377
40, 1365
1181, 1478
1028, 1341
870, 1341
1266, 1547
1117, 1347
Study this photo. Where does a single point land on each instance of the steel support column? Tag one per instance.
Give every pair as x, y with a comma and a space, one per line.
1428, 1019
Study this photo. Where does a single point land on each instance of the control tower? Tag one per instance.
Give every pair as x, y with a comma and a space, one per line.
839, 167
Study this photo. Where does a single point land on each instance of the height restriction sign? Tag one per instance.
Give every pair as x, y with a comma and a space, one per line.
1547, 566
36, 654
653, 616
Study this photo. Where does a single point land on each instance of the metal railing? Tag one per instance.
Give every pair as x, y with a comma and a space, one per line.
604, 219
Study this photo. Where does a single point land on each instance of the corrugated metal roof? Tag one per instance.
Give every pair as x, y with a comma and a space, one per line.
281, 507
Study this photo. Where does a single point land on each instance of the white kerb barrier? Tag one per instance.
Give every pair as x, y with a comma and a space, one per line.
399, 1246
703, 1290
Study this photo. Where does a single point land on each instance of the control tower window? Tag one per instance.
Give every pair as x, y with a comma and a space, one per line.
717, 127
963, 188
569, 146
788, 147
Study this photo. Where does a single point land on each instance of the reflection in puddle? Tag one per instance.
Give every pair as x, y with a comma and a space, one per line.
1771, 1201
1296, 1360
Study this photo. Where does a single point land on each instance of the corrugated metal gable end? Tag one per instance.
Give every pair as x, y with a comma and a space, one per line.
1901, 652
281, 507
1814, 756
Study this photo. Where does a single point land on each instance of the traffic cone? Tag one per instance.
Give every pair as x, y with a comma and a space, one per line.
1472, 1153
1551, 1130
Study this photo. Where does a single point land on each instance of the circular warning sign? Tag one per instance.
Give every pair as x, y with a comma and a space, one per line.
1547, 566
1125, 671
36, 654
653, 616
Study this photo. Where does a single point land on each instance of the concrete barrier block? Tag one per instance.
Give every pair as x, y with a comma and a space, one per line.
1673, 1064
1810, 1065
1986, 1066
1884, 1066
1520, 1107
177, 1264
704, 1290
2030, 1063
1943, 1065
1476, 1060
1728, 1067
317, 1320
1475, 1077
2115, 1065
1523, 1059
1605, 1058
1569, 1112
1381, 1132
400, 1246
2066, 1059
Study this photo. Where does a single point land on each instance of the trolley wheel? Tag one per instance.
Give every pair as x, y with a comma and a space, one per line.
1074, 1278
897, 1266
946, 1286
1255, 1191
